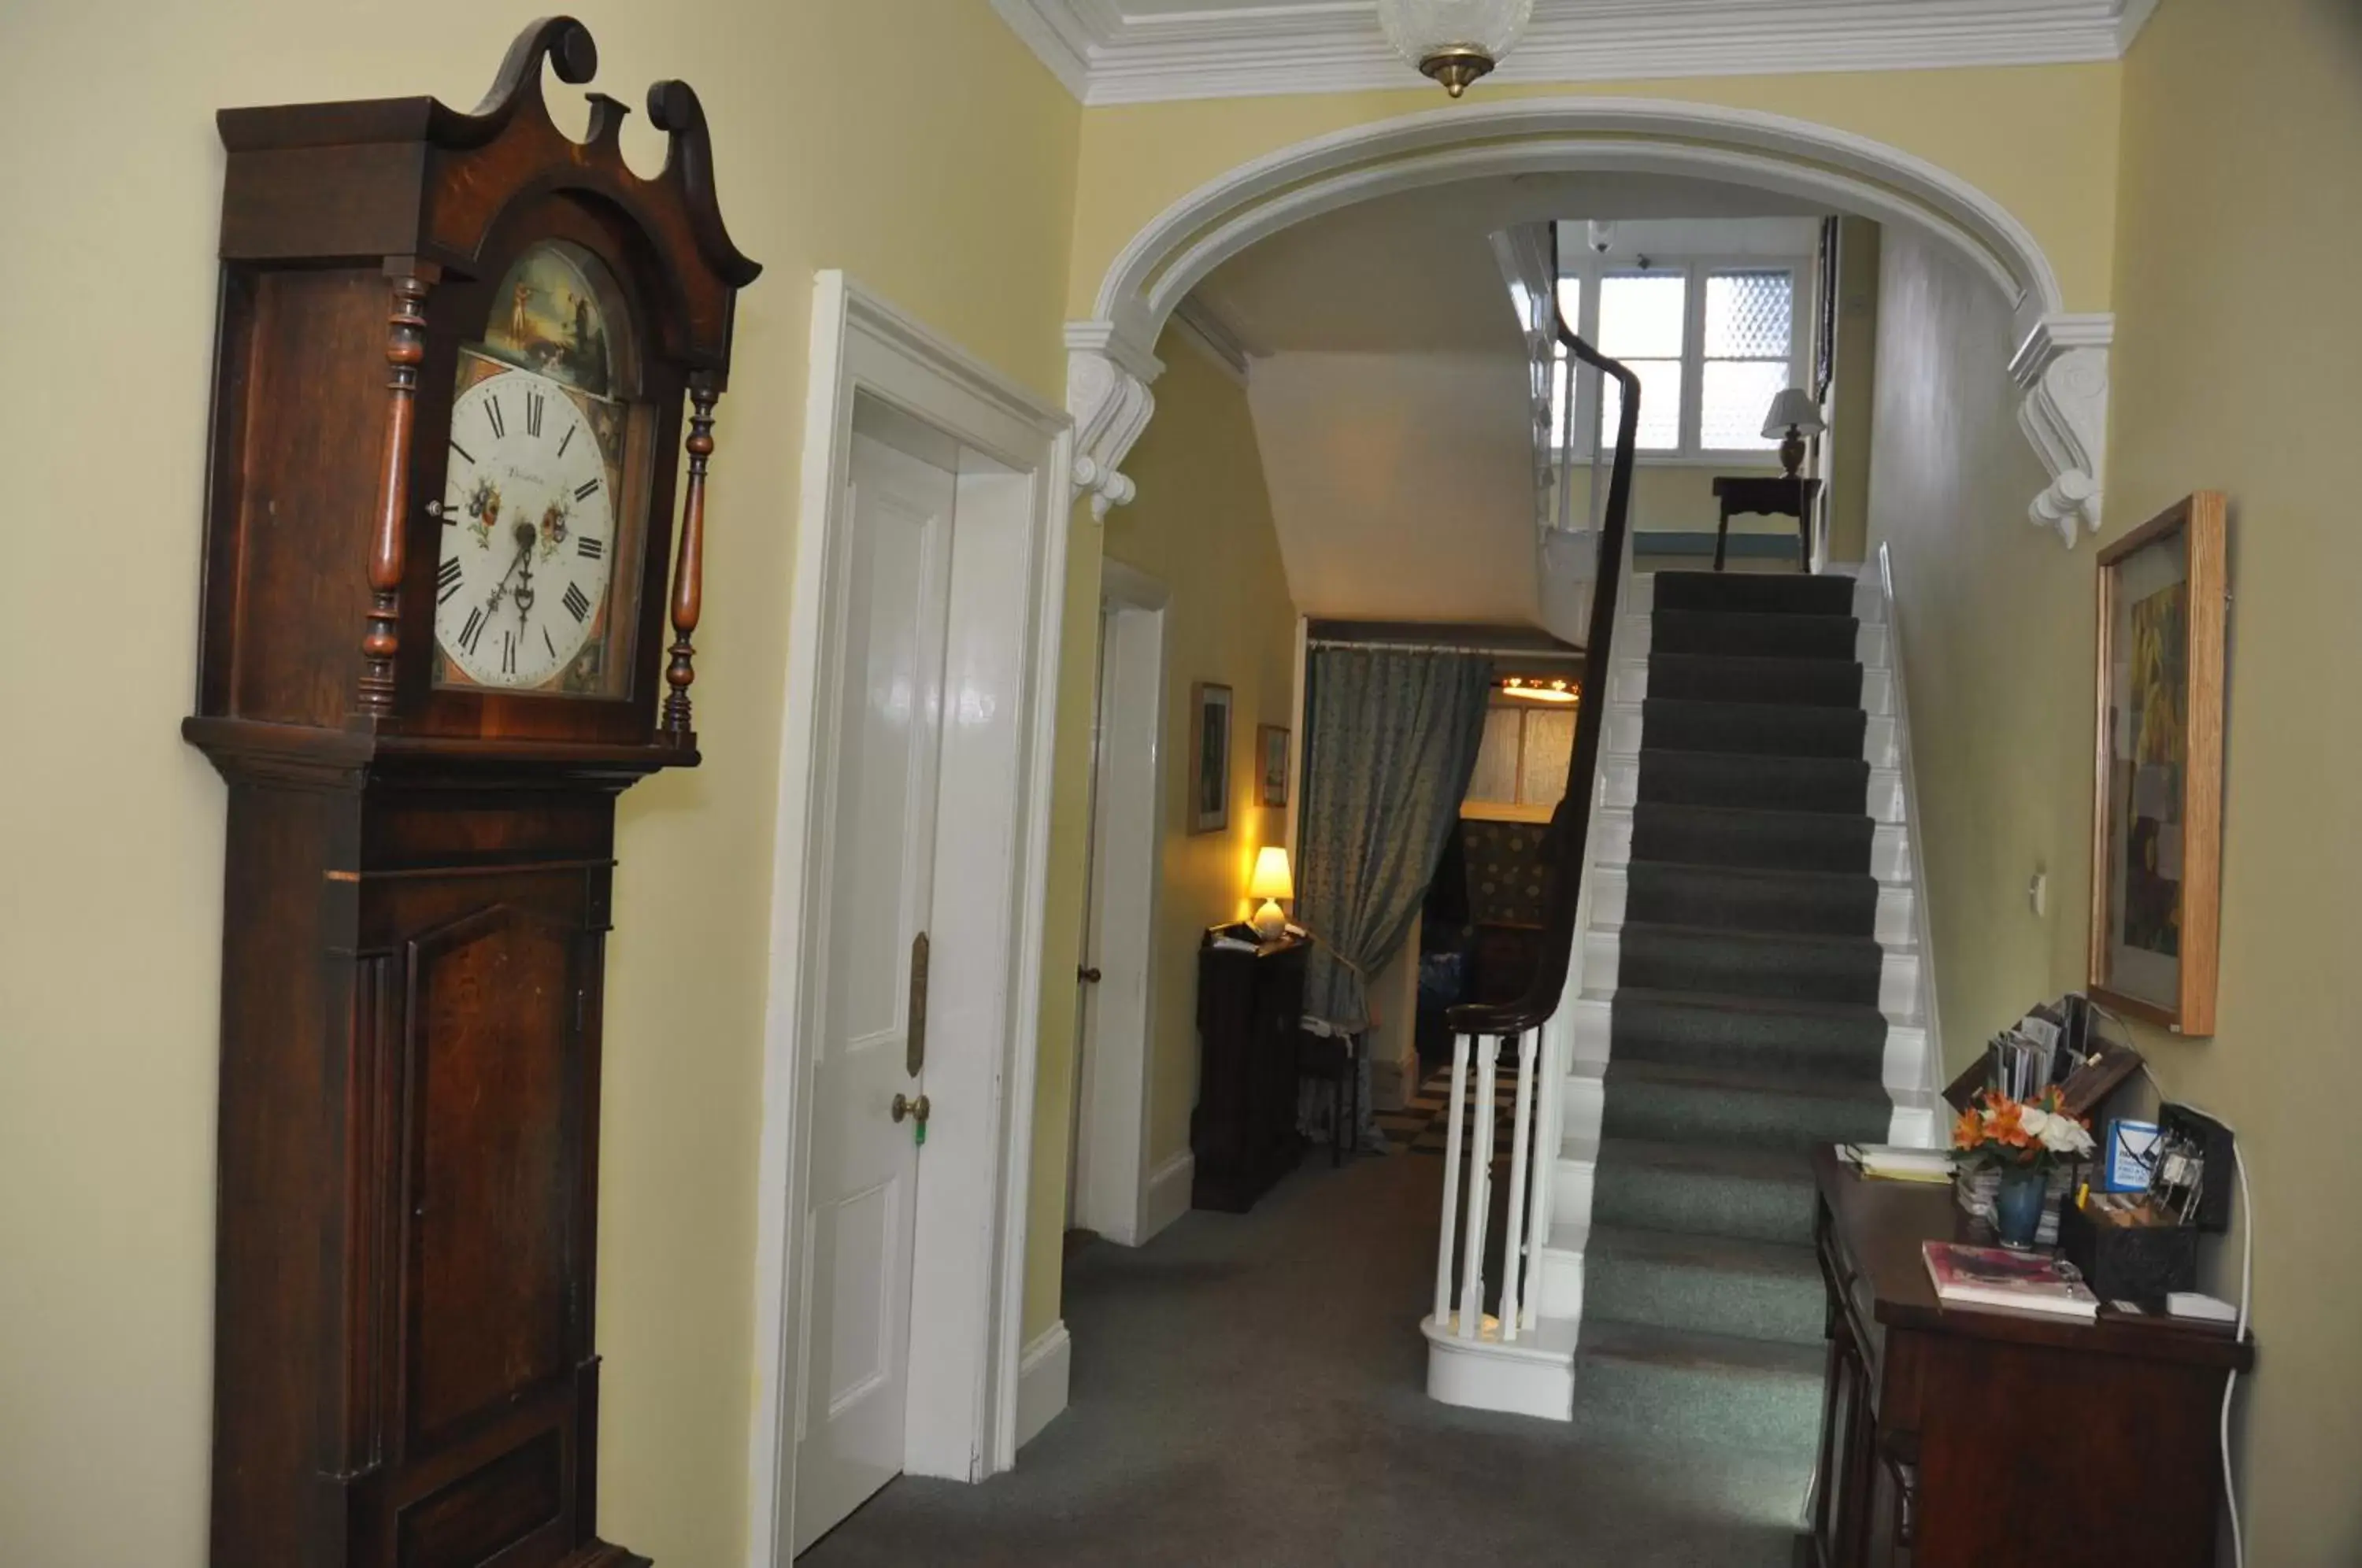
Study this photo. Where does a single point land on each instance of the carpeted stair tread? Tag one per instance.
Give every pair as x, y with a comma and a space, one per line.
1755, 592
1707, 1159
1740, 1081
1688, 1391
1839, 785
1760, 680
1762, 729
1745, 899
1716, 1193
1743, 1109
1742, 839
1797, 966
1775, 636
1730, 1256
1687, 1350
1714, 1283
1699, 1028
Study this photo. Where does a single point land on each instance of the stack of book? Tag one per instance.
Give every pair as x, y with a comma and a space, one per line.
2006, 1281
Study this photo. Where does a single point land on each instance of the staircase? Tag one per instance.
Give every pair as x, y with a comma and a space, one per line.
1747, 986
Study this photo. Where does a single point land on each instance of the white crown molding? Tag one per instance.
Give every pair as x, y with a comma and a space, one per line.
1202, 327
2062, 368
1104, 54
1107, 377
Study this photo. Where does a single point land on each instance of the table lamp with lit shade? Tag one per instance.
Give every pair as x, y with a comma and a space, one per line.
1794, 415
1271, 883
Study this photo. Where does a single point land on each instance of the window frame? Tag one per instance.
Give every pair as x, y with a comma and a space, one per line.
1474, 810
1591, 270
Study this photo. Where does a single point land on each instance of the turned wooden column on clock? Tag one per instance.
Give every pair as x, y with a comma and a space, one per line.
439, 577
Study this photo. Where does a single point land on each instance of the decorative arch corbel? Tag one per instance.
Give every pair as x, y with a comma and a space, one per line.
2060, 359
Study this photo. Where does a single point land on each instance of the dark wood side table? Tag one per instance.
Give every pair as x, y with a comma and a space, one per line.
1953, 1437
1774, 495
1249, 1013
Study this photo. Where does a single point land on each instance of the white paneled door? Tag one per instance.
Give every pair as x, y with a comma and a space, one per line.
860, 1227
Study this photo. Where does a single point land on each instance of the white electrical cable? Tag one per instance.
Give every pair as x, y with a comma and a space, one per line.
2246, 1286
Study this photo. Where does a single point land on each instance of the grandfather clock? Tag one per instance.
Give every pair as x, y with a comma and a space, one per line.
455, 352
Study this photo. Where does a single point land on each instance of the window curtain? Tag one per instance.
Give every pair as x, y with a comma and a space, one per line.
1391, 738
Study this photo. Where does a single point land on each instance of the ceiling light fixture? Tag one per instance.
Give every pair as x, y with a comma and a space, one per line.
1455, 41
1540, 691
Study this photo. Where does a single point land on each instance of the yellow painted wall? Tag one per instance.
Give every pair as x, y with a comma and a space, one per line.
2039, 139
2233, 370
1202, 527
945, 183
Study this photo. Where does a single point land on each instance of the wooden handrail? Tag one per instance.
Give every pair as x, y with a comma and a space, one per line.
1542, 997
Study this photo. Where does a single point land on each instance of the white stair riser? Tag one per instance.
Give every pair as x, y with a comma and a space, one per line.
1611, 890
1898, 971
1629, 682
1890, 850
1869, 644
1882, 801
1623, 732
1904, 1065
1571, 1186
1561, 1283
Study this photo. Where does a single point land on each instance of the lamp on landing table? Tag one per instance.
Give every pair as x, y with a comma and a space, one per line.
1795, 412
1270, 882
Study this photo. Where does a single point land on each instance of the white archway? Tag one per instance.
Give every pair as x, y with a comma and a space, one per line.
2060, 360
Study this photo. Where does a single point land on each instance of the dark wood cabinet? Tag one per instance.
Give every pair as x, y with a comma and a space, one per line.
1250, 1013
1960, 1439
421, 836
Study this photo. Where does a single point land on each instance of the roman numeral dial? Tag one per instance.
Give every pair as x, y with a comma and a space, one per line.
522, 586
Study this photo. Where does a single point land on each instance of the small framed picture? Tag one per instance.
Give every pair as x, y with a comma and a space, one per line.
1209, 757
2157, 817
1271, 763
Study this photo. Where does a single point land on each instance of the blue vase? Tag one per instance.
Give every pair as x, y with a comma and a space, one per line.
2018, 1206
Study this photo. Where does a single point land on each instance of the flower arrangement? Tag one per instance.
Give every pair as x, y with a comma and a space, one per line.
2036, 1134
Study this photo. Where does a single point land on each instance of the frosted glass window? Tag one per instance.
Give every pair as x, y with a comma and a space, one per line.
1661, 406
1570, 300
1749, 316
1494, 782
1550, 748
1642, 316
1733, 397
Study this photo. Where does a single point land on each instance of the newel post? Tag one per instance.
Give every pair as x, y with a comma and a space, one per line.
405, 348
689, 571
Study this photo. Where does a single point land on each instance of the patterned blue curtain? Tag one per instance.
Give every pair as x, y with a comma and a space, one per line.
1391, 740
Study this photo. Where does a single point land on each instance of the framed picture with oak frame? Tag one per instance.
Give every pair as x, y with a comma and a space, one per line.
2157, 810
1209, 757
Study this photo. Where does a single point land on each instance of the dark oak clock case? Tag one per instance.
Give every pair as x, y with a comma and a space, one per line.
419, 878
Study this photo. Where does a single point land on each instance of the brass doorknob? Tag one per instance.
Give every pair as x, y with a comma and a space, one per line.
1089, 976
918, 1108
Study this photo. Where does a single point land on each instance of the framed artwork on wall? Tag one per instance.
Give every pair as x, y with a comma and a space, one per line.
1271, 763
2157, 815
1209, 757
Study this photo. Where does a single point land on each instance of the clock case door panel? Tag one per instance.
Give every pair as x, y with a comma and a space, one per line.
427, 1257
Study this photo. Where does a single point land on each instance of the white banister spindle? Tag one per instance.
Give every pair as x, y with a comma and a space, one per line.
1480, 1188
1450, 1180
1548, 1110
1520, 1151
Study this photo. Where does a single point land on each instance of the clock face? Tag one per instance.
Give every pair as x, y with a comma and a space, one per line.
537, 584
528, 532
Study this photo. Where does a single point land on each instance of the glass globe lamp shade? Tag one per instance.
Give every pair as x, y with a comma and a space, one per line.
1455, 41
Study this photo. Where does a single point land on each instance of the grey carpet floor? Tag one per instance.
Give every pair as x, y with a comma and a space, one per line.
1250, 1390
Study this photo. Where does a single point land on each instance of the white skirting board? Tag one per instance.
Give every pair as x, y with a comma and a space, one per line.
1041, 1381
1167, 1197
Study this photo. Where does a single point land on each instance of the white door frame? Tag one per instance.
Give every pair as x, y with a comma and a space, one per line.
973, 1190
1115, 1195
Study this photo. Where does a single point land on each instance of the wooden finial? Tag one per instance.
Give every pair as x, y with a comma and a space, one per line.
405, 347
688, 571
